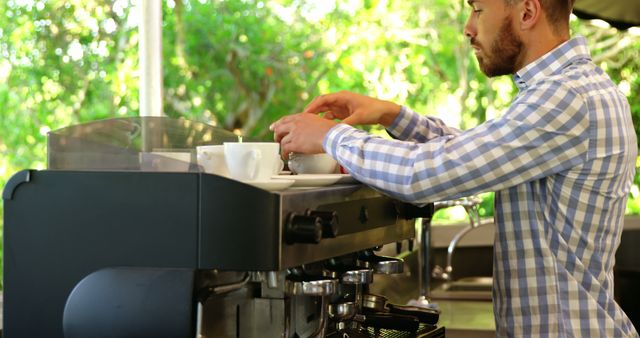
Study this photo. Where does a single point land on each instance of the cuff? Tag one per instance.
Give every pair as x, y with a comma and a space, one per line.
334, 136
399, 125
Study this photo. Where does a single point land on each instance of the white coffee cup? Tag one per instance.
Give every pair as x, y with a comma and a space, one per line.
211, 159
165, 161
312, 164
253, 161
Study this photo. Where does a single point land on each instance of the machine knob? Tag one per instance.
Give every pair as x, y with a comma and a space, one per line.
329, 221
303, 229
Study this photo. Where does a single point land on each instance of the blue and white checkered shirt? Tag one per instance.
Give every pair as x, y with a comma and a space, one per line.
561, 160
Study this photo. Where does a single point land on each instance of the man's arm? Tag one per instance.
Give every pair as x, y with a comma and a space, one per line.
532, 140
411, 126
304, 132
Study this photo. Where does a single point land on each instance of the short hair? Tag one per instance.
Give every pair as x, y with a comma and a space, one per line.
557, 11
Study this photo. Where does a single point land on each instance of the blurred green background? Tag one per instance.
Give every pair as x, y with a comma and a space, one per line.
241, 64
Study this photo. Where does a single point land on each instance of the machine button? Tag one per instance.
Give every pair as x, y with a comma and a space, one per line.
329, 221
303, 229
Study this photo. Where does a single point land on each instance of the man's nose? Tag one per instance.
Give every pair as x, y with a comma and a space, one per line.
470, 28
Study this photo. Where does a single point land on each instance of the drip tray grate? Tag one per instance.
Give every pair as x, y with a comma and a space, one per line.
425, 331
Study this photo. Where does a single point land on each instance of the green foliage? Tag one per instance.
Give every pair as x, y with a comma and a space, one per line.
458, 214
236, 64
241, 64
63, 63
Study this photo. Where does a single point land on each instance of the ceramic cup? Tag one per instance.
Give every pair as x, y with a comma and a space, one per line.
312, 164
211, 159
165, 161
253, 161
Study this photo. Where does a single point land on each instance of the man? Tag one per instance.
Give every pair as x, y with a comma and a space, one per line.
561, 160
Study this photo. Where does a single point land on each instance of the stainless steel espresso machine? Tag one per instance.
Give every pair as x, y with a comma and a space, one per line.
103, 245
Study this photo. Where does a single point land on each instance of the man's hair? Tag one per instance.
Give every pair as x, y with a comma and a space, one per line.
557, 11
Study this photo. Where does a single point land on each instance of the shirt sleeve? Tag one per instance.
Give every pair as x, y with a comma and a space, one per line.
545, 131
409, 125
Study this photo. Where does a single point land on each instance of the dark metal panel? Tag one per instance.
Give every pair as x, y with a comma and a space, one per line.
61, 226
15, 180
239, 226
297, 254
132, 303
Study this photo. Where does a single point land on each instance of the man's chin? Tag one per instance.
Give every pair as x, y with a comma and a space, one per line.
492, 71
483, 67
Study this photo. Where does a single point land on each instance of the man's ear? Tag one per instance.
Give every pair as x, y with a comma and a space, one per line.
530, 13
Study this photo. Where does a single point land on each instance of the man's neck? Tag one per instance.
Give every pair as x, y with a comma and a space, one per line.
540, 44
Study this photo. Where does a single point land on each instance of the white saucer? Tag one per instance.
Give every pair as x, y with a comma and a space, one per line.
272, 185
316, 180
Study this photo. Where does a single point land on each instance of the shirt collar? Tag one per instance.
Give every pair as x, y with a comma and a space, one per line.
550, 63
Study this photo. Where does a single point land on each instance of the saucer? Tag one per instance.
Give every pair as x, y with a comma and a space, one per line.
271, 185
316, 180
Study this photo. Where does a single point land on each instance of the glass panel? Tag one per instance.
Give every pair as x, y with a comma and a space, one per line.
133, 143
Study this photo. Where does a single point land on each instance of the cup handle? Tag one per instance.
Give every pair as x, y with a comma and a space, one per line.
255, 157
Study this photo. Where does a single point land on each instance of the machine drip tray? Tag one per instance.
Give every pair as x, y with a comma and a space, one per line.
425, 331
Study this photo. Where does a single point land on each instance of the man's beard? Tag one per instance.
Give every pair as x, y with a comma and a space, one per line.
504, 52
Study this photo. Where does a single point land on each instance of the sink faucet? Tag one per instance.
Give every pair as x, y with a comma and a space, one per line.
470, 205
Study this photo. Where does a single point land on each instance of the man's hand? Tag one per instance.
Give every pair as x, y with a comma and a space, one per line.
354, 108
301, 133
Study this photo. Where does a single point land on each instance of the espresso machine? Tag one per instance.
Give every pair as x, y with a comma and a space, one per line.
102, 245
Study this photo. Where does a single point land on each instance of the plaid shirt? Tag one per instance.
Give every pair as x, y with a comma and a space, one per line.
561, 160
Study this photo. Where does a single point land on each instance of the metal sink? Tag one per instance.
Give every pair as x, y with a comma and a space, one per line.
468, 288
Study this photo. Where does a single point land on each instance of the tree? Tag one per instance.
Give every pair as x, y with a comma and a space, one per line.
241, 64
